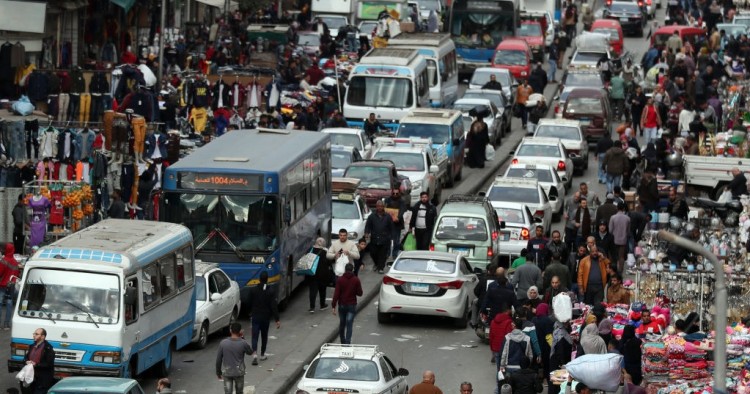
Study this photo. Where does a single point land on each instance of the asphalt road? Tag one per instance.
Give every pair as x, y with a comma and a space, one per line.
414, 343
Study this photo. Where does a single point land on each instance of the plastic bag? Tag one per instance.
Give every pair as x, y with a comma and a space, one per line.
725, 197
26, 375
410, 243
489, 152
340, 267
563, 307
23, 106
597, 371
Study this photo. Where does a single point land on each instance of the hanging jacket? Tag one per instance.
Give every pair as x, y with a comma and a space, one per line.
152, 141
140, 102
66, 137
99, 84
109, 53
200, 94
77, 83
53, 83
38, 86
220, 92
65, 81
84, 141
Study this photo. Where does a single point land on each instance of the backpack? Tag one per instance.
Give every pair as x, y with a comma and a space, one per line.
516, 351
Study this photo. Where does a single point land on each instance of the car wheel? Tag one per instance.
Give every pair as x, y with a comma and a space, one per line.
463, 321
202, 336
450, 180
166, 364
383, 318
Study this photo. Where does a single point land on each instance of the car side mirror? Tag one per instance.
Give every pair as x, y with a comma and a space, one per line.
502, 224
215, 297
403, 372
556, 98
552, 198
514, 84
434, 169
570, 57
481, 194
131, 296
564, 179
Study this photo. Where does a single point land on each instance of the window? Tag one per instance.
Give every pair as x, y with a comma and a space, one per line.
213, 286
184, 267
222, 282
150, 285
131, 311
422, 83
167, 275
386, 371
458, 129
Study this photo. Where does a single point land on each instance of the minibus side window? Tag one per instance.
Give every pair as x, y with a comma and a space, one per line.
150, 285
131, 310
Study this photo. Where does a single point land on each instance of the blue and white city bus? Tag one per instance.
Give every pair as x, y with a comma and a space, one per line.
254, 200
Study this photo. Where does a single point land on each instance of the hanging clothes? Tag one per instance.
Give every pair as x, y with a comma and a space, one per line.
237, 94
39, 206
85, 143
56, 211
66, 148
48, 144
273, 96
220, 95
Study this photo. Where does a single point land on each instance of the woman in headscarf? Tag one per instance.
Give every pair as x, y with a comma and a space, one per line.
591, 342
477, 140
544, 330
318, 283
560, 351
533, 298
649, 154
630, 348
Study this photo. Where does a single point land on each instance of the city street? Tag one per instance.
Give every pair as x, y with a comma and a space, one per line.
414, 343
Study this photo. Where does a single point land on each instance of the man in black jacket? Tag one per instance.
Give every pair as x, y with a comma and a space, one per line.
379, 227
738, 185
18, 224
263, 307
500, 296
525, 380
42, 356
423, 215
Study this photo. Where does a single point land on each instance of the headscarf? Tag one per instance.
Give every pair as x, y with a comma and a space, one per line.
560, 333
320, 243
542, 310
9, 251
605, 327
528, 292
591, 342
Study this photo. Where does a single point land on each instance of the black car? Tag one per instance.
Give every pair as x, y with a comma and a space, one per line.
631, 15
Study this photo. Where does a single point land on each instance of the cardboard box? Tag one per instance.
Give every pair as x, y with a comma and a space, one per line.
629, 196
408, 27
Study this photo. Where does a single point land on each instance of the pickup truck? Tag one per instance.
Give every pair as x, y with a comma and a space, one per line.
377, 179
426, 167
712, 173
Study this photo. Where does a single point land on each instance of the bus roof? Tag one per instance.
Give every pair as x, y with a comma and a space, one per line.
118, 242
390, 56
252, 150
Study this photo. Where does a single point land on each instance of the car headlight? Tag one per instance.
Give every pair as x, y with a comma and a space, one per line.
106, 357
416, 185
353, 235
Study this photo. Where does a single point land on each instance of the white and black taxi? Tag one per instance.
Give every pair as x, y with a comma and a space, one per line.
364, 369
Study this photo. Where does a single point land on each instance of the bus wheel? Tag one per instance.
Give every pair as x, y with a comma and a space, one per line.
166, 364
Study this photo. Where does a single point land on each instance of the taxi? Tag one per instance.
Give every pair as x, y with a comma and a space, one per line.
348, 209
351, 368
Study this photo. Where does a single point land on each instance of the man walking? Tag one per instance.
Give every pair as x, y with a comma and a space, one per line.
527, 275
379, 227
263, 307
18, 224
348, 288
422, 222
535, 248
396, 207
615, 164
552, 60
619, 226
592, 276
427, 386
230, 360
41, 356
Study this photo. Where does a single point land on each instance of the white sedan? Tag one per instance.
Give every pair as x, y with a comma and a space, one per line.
550, 151
352, 369
548, 180
428, 283
217, 302
349, 212
570, 134
519, 226
347, 136
494, 124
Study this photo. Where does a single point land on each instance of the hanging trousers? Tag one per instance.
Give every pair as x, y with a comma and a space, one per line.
32, 138
73, 108
108, 118
97, 107
53, 105
17, 133
85, 107
139, 133
62, 108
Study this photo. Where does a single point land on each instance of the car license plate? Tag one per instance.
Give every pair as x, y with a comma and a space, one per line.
460, 251
506, 236
623, 19
420, 287
585, 121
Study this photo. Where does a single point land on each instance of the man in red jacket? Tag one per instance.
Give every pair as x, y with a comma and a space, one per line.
348, 288
500, 326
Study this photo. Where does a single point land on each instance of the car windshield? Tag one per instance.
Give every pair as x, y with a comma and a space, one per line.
618, 7
614, 36
340, 159
526, 195
530, 30
556, 131
343, 369
249, 222
510, 58
352, 140
588, 57
70, 296
482, 77
583, 79
377, 91
344, 210
404, 161
440, 134
370, 177
200, 289
461, 228
333, 22
510, 215
584, 105
308, 39
538, 150
530, 173
425, 266
496, 99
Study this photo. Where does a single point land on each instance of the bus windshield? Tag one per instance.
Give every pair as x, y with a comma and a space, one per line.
74, 296
480, 28
372, 91
250, 223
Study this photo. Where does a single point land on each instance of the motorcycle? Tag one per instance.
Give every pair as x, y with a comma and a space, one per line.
727, 211
482, 328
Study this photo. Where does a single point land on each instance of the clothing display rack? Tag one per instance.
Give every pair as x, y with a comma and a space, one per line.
69, 208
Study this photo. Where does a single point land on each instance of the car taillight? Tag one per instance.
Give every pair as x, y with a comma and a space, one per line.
432, 247
490, 253
561, 165
557, 109
387, 280
640, 4
514, 161
494, 235
598, 122
525, 233
455, 285
539, 213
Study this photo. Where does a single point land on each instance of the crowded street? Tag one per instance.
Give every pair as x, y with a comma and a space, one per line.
286, 201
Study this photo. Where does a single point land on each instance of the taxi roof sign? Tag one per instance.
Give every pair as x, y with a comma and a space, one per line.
349, 350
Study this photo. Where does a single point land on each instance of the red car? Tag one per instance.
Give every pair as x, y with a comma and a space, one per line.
514, 55
613, 29
533, 33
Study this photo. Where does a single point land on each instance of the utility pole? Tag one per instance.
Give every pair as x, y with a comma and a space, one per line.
162, 29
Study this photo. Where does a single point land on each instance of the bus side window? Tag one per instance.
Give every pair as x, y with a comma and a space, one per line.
131, 310
184, 267
166, 275
150, 285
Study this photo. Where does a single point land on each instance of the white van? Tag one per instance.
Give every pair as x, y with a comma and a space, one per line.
115, 298
442, 69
